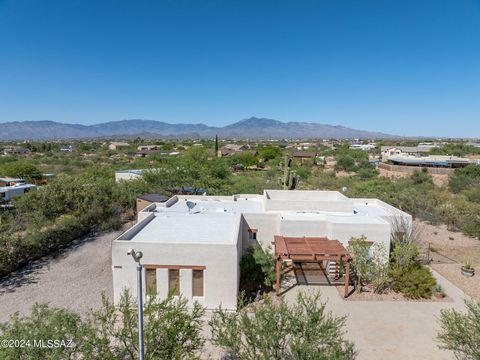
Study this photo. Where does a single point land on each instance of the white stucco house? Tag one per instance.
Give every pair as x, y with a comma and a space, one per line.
192, 245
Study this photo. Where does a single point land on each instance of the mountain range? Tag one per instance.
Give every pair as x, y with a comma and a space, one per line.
252, 128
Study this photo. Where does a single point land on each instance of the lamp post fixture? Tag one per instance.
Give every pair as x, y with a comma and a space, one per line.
137, 255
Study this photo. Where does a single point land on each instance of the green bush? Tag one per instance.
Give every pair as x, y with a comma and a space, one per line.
464, 178
460, 332
346, 163
414, 282
408, 276
257, 268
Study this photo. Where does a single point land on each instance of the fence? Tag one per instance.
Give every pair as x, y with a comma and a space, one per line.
410, 169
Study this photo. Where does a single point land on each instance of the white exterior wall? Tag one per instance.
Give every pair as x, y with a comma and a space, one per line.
220, 274
267, 225
220, 261
342, 232
305, 205
119, 176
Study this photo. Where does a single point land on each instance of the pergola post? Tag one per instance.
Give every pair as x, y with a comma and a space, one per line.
347, 277
278, 269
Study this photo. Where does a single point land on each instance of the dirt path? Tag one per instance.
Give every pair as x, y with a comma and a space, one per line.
73, 278
449, 250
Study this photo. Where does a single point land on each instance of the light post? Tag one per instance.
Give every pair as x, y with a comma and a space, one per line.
137, 255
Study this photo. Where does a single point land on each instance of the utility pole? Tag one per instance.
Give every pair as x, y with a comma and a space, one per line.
137, 255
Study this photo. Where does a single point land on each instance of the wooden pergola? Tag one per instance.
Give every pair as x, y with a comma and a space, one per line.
309, 250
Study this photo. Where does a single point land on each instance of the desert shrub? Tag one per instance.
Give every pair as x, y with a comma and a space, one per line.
414, 282
171, 331
379, 267
408, 275
366, 171
346, 163
473, 195
421, 177
303, 330
404, 255
460, 331
359, 249
43, 324
464, 178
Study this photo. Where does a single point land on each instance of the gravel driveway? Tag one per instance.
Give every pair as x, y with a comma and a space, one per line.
73, 278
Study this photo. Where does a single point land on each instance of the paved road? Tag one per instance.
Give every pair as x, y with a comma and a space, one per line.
391, 329
72, 279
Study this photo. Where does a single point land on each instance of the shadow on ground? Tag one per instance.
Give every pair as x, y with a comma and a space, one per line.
28, 274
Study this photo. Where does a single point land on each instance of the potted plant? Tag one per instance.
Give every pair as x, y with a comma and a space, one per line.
467, 268
438, 292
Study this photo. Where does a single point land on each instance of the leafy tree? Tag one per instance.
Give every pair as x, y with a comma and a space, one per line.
22, 169
194, 170
345, 162
303, 330
460, 332
269, 152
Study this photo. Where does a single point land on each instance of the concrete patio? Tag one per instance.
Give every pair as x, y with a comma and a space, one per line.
391, 329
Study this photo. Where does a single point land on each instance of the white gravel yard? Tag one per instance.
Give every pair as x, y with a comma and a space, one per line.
73, 278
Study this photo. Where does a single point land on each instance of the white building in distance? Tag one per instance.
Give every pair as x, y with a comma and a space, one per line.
192, 245
9, 192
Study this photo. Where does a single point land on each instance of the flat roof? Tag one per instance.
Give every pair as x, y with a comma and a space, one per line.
19, 186
133, 171
214, 205
196, 219
200, 228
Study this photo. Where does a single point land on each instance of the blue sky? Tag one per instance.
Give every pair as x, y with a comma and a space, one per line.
402, 67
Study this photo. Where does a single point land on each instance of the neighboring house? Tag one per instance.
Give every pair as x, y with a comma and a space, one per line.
305, 146
144, 153
439, 161
8, 192
421, 150
15, 150
387, 151
473, 143
192, 245
9, 181
364, 147
305, 155
118, 145
231, 149
128, 174
67, 149
148, 199
148, 147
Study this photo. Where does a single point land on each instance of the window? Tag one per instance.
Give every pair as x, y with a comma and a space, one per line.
151, 281
197, 277
174, 281
252, 234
